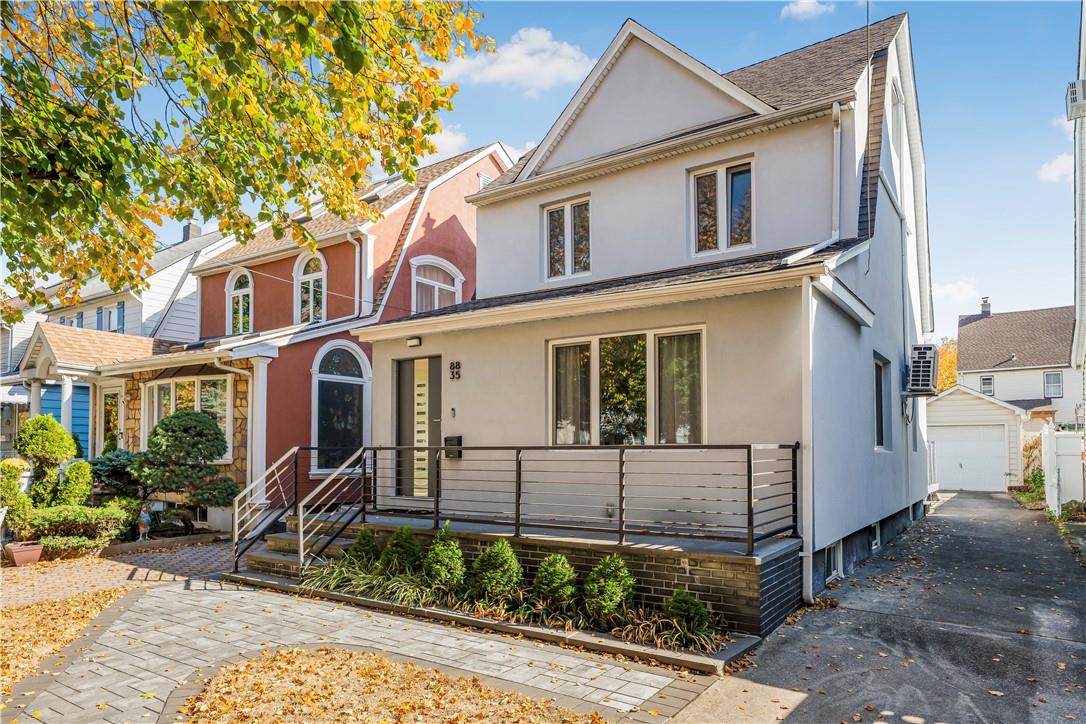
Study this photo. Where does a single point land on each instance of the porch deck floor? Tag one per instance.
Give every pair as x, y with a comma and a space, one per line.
691, 544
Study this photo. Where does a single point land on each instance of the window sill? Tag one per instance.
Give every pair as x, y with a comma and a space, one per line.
567, 277
714, 253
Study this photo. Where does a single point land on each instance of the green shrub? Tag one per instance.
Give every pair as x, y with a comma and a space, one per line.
75, 488
686, 610
77, 520
496, 573
129, 506
80, 453
219, 493
402, 553
109, 442
365, 547
608, 590
114, 471
46, 444
14, 499
180, 450
555, 581
71, 546
444, 566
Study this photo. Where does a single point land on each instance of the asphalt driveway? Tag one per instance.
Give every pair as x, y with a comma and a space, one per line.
977, 614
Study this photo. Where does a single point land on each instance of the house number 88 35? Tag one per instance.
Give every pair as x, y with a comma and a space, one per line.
454, 370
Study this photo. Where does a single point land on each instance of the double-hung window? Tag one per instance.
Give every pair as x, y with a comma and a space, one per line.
630, 389
987, 385
567, 237
723, 213
240, 307
309, 281
1054, 384
209, 395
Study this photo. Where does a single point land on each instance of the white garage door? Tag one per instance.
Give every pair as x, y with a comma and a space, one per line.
970, 457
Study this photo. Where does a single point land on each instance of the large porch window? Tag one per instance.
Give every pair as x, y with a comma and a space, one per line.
339, 404
209, 395
630, 389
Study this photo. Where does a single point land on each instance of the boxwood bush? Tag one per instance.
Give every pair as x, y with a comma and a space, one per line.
555, 582
46, 444
687, 611
71, 546
496, 573
608, 589
365, 547
444, 566
75, 488
77, 520
402, 553
13, 498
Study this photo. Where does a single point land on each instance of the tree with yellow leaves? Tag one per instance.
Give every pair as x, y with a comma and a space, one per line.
948, 364
117, 114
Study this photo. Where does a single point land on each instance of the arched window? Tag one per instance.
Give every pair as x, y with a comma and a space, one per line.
435, 283
341, 376
239, 307
309, 283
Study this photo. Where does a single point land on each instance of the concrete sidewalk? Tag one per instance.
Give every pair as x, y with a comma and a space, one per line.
978, 614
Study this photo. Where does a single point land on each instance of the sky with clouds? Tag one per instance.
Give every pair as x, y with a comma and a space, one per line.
991, 80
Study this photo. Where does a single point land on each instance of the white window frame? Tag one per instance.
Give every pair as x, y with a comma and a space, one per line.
484, 181
300, 279
835, 551
366, 381
147, 401
1059, 382
723, 210
231, 293
651, 374
99, 435
568, 205
991, 381
448, 267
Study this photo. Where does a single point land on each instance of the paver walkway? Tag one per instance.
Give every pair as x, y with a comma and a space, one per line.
977, 614
174, 633
60, 579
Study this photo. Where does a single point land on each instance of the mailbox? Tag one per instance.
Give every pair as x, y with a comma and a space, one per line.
453, 444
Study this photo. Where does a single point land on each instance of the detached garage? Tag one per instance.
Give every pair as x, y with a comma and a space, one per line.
976, 441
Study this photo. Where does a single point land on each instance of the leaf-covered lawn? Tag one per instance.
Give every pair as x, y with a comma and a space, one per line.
336, 685
32, 632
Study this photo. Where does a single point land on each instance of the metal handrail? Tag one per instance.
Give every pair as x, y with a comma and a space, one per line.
320, 490
246, 511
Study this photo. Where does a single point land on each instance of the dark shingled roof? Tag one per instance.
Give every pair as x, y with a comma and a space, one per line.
1036, 337
728, 269
1028, 405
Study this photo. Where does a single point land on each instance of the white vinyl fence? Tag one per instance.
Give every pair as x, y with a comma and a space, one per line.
1061, 459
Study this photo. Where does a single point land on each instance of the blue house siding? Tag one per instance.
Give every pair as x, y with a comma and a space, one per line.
50, 405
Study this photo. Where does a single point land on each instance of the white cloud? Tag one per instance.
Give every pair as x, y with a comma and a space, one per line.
1059, 170
1067, 126
805, 9
449, 141
959, 291
515, 152
532, 61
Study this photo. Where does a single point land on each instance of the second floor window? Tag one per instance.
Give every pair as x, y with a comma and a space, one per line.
309, 290
987, 385
111, 318
241, 305
1054, 384
435, 284
723, 208
568, 239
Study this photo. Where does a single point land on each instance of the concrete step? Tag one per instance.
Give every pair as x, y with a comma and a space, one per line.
288, 543
325, 525
276, 563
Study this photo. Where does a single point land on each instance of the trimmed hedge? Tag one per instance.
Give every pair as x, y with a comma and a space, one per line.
608, 590
444, 565
77, 520
402, 553
555, 582
71, 546
13, 498
75, 488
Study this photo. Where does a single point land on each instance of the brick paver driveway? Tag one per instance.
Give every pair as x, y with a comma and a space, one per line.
152, 642
60, 579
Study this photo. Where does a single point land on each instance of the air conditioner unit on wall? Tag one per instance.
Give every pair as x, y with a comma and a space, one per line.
923, 370
1076, 99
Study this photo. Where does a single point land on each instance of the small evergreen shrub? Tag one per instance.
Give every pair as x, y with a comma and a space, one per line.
46, 444
364, 547
71, 546
75, 488
44, 487
444, 566
608, 590
129, 506
687, 611
77, 520
496, 573
219, 493
13, 498
402, 553
114, 471
555, 582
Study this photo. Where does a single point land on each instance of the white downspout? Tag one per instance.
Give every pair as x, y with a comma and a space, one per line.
806, 495
835, 204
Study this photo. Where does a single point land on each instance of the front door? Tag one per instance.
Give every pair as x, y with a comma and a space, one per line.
418, 425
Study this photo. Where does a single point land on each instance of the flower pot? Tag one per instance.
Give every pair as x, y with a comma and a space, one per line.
23, 554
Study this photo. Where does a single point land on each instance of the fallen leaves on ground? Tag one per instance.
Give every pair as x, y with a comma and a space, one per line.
820, 603
327, 684
32, 632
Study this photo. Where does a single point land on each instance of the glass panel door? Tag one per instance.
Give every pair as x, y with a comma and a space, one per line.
418, 425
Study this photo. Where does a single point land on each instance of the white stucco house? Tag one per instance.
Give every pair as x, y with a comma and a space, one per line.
688, 259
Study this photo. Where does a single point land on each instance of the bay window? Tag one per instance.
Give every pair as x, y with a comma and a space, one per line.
209, 395
568, 239
723, 210
630, 389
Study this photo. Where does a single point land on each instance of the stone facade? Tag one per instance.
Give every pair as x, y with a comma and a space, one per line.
133, 416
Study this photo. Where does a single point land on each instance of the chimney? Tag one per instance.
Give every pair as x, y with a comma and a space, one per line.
985, 307
190, 230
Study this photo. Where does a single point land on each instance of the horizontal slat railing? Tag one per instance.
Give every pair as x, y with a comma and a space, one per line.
736, 493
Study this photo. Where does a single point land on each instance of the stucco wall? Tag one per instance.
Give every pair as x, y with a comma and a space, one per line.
1029, 385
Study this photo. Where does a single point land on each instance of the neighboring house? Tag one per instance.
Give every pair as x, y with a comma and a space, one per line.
688, 259
1023, 358
272, 359
14, 396
165, 309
